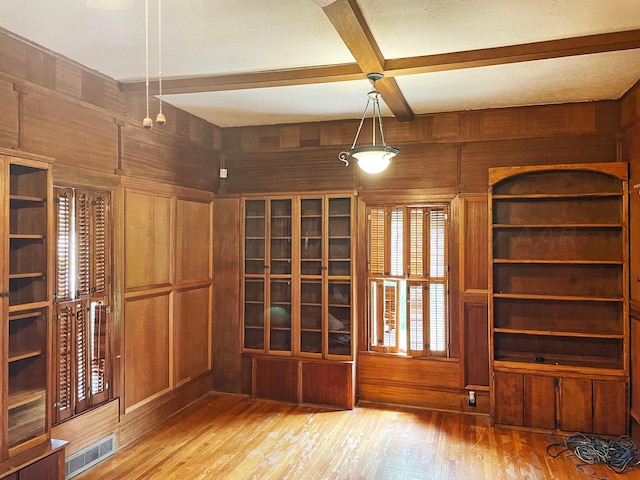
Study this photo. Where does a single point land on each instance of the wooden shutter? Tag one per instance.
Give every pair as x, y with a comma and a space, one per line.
83, 242
396, 251
63, 199
376, 241
416, 316
99, 352
438, 341
99, 250
64, 393
416, 243
82, 356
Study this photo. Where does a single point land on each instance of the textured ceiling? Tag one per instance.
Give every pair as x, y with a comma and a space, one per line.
219, 37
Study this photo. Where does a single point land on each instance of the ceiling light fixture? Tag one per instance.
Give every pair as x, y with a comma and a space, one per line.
376, 158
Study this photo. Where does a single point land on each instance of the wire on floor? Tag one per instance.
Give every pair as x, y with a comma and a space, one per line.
618, 455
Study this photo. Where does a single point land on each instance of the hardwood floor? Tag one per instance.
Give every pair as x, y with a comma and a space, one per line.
232, 437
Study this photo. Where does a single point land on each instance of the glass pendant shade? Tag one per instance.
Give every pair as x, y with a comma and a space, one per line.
374, 159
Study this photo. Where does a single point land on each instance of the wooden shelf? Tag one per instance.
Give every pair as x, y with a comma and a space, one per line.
552, 333
17, 356
570, 298
23, 398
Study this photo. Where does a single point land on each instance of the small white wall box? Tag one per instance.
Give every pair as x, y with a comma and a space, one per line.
223, 173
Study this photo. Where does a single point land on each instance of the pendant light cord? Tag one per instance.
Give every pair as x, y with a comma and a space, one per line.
160, 53
146, 51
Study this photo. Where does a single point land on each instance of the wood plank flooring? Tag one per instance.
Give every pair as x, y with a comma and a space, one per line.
232, 437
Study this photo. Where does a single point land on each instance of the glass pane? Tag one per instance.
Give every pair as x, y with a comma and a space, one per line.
280, 315
98, 353
254, 314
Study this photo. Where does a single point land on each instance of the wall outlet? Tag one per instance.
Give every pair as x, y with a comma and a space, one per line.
472, 398
223, 173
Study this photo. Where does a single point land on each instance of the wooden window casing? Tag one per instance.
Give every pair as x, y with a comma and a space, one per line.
408, 276
82, 327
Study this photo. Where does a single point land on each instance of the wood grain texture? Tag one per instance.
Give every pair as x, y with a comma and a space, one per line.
147, 360
234, 438
192, 333
83, 430
148, 240
193, 242
227, 367
8, 115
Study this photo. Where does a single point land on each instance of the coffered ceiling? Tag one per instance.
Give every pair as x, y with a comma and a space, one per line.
249, 62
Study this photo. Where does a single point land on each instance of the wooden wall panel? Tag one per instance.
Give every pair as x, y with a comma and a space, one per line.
474, 249
476, 344
148, 225
422, 373
192, 333
228, 371
418, 167
193, 240
317, 170
147, 349
8, 115
479, 156
88, 428
71, 133
158, 156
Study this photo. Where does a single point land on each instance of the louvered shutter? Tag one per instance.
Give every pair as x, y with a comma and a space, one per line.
377, 240
64, 394
416, 242
99, 251
416, 317
390, 333
396, 252
99, 352
438, 278
82, 356
83, 242
63, 201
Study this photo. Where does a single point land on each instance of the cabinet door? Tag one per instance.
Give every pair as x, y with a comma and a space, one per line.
609, 407
49, 468
576, 405
275, 379
328, 384
539, 401
508, 398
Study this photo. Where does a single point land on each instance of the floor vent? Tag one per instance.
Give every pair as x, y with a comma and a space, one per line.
88, 457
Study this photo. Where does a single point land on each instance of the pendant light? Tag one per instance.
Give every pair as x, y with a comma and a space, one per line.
376, 158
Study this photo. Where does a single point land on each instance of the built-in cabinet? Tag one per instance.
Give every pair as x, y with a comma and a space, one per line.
25, 307
298, 293
559, 297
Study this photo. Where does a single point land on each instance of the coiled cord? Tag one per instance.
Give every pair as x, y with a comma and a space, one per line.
618, 455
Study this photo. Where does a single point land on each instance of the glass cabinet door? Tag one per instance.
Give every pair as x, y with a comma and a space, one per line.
339, 277
279, 273
311, 271
254, 274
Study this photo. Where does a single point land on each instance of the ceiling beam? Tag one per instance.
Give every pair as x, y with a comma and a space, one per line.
347, 19
526, 52
242, 81
606, 42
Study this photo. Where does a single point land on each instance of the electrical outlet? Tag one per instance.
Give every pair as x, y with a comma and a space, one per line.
223, 173
472, 398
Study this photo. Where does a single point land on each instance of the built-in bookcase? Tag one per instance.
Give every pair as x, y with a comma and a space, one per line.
559, 282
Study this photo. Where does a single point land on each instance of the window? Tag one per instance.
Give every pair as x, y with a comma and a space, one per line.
408, 275
82, 301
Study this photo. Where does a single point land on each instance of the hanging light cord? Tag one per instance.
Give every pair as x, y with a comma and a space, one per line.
146, 50
160, 53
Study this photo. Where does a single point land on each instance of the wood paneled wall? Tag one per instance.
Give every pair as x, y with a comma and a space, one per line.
630, 123
443, 157
162, 182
